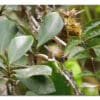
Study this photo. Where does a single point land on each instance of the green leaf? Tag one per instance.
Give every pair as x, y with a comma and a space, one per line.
91, 33
90, 89
61, 86
13, 7
94, 42
1, 65
91, 30
97, 51
72, 42
97, 73
8, 31
91, 25
95, 45
38, 84
2, 70
34, 71
30, 93
86, 73
18, 47
26, 29
78, 53
23, 61
51, 26
73, 66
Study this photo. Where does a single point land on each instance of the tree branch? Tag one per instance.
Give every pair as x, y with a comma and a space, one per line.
69, 78
34, 25
32, 22
57, 39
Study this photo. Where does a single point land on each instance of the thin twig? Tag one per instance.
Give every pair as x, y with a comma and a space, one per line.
35, 22
46, 47
71, 81
57, 39
93, 65
79, 12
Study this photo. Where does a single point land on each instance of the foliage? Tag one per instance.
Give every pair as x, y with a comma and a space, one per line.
44, 52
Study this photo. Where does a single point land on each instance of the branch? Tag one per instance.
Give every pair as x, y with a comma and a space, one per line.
70, 79
34, 25
57, 39
32, 22
68, 76
42, 56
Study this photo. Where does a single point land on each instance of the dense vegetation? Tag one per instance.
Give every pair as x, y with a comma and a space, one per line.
49, 50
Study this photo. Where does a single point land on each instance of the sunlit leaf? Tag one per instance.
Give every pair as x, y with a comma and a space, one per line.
73, 66
18, 47
8, 31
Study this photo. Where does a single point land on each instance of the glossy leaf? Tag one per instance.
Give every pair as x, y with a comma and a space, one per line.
18, 47
50, 27
61, 86
8, 31
34, 71
39, 85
